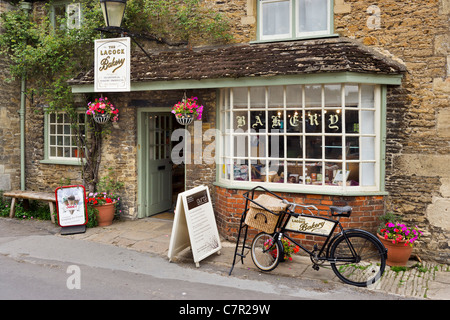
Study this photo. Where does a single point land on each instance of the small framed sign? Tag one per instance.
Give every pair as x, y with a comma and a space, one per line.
112, 65
71, 206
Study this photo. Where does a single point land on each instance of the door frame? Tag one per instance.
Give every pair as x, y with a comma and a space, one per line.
141, 165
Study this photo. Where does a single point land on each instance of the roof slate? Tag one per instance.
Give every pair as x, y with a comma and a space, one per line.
258, 60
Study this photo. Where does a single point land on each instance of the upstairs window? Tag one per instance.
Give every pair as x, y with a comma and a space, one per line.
66, 15
288, 19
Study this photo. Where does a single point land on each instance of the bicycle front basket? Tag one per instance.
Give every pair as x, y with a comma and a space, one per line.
261, 219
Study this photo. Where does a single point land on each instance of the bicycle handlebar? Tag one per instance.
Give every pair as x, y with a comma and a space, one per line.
293, 205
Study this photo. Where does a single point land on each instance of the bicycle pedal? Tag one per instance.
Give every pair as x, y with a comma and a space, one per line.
316, 267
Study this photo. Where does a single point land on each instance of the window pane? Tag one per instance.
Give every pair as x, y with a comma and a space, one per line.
240, 146
240, 120
313, 96
367, 148
293, 96
367, 96
333, 148
352, 146
258, 146
276, 97
351, 96
276, 18
276, 120
313, 121
294, 146
331, 171
258, 120
332, 95
240, 170
276, 146
258, 97
240, 97
312, 15
313, 173
295, 172
333, 120
368, 174
351, 121
294, 121
314, 147
367, 122
257, 173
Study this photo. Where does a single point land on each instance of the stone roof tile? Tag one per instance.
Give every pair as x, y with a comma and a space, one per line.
253, 60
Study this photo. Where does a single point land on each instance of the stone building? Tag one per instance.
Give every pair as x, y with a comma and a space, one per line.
325, 102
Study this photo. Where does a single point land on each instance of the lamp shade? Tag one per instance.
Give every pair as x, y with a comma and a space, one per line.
113, 11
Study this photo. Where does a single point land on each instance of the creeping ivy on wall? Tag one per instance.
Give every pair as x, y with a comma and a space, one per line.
48, 56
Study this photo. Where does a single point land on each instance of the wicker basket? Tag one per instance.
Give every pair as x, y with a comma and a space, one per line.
261, 219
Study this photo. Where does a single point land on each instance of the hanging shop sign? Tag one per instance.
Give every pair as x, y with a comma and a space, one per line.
71, 206
194, 225
112, 65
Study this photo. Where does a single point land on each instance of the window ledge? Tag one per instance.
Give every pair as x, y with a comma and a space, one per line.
288, 189
62, 162
334, 35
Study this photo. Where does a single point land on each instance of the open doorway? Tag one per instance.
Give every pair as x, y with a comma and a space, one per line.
159, 179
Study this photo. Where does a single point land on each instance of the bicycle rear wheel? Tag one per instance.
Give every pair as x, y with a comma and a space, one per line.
265, 252
358, 258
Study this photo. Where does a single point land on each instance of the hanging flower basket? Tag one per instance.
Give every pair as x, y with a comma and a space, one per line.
102, 118
187, 110
102, 111
184, 119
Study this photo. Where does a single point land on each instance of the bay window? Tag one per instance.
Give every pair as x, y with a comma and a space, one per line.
320, 136
287, 19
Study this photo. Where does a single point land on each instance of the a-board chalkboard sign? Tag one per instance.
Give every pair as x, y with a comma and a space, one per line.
194, 225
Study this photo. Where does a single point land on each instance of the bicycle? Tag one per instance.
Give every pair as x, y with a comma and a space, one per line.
356, 256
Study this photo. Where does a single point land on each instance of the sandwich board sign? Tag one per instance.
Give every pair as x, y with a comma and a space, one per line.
194, 225
71, 209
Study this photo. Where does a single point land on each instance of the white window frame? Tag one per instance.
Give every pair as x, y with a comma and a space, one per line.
57, 130
227, 158
68, 8
294, 31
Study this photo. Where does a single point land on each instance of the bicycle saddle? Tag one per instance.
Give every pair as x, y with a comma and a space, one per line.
341, 211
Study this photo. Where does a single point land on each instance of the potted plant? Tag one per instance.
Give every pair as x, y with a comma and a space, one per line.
398, 238
288, 248
106, 202
187, 110
103, 110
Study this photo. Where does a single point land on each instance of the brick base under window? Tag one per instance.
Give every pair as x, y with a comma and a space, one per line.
230, 205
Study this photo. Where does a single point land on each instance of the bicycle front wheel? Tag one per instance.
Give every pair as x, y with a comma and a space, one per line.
358, 259
265, 252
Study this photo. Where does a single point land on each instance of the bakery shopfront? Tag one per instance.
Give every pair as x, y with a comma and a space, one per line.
306, 119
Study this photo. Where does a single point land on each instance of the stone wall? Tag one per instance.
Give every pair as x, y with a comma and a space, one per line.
418, 143
9, 125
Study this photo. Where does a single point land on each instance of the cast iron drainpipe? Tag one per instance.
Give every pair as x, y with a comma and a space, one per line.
25, 6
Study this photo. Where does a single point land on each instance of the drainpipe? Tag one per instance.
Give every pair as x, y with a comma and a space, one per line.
25, 6
22, 132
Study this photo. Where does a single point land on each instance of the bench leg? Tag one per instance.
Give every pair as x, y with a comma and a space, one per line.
52, 211
13, 208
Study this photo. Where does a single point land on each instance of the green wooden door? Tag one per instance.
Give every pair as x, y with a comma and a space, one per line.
155, 167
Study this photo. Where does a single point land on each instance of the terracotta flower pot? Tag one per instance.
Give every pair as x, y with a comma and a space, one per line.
105, 214
398, 254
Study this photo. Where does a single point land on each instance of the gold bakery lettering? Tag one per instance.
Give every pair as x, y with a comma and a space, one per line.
304, 226
106, 63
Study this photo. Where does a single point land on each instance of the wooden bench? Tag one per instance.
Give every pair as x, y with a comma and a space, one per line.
31, 195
